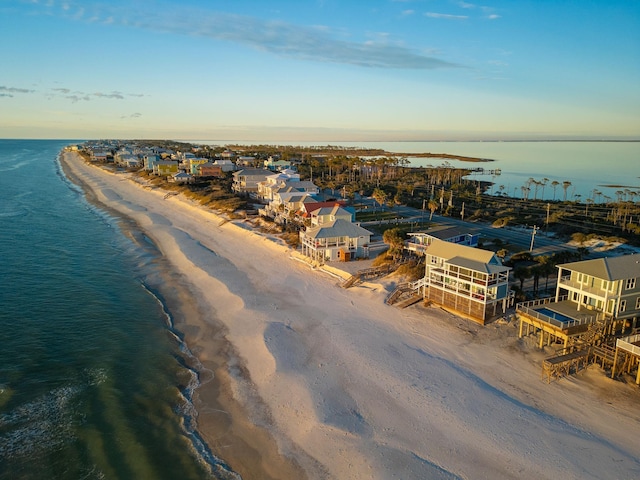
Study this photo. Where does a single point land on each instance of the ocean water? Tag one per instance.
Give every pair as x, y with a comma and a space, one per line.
589, 167
94, 382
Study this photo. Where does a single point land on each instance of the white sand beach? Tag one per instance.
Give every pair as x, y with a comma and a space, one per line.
329, 383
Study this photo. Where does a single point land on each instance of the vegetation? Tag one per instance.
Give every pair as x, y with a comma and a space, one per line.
353, 173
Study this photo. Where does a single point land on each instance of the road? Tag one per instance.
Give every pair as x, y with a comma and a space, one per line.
519, 236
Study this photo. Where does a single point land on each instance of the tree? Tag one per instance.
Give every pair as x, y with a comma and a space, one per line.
380, 196
433, 206
554, 184
521, 273
394, 238
565, 185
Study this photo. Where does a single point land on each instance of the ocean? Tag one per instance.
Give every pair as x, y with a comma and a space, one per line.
95, 383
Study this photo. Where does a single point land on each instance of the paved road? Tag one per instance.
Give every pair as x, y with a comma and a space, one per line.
519, 236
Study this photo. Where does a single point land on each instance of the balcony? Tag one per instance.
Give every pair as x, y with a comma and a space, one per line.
562, 315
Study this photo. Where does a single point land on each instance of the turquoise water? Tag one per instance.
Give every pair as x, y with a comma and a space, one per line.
94, 383
555, 315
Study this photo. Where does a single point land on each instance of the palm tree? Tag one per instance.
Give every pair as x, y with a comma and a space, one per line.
565, 185
554, 184
544, 182
521, 273
433, 206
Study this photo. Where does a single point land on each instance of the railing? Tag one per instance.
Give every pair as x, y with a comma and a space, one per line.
565, 281
525, 307
627, 344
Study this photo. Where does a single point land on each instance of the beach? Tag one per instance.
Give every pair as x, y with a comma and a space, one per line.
304, 379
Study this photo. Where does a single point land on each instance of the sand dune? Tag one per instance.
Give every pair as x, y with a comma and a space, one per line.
334, 383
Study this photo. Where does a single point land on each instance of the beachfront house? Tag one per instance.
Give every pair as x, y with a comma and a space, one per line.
468, 281
165, 167
590, 293
418, 242
339, 240
246, 180
149, 160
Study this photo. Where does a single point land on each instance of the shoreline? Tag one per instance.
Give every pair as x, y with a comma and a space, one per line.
336, 384
217, 412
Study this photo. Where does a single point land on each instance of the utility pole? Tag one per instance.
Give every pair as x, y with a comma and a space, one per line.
546, 230
422, 215
462, 212
533, 236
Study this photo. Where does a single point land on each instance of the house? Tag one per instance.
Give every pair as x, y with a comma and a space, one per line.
225, 165
148, 161
181, 177
276, 182
598, 293
308, 207
165, 167
274, 164
336, 240
466, 280
285, 206
419, 241
209, 169
247, 180
328, 213
193, 164
100, 155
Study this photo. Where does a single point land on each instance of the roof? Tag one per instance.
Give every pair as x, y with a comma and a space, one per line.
448, 251
337, 228
447, 232
252, 172
476, 266
608, 268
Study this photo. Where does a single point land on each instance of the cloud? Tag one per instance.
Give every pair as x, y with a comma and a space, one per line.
116, 95
9, 90
133, 115
406, 13
445, 16
274, 37
493, 16
77, 96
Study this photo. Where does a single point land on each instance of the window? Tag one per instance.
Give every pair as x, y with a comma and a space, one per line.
630, 284
623, 305
638, 303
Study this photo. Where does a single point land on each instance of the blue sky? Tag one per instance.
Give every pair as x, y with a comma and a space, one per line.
320, 70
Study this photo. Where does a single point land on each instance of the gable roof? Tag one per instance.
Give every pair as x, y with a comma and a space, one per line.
337, 228
607, 268
449, 251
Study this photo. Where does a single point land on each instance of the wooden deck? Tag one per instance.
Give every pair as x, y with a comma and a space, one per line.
564, 365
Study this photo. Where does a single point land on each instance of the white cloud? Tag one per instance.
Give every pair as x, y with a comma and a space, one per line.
278, 38
445, 16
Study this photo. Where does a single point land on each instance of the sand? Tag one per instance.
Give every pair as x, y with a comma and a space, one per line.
311, 380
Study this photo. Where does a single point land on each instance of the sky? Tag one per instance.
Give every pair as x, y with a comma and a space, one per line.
320, 70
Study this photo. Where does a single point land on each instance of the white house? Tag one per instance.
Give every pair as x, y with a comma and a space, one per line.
336, 240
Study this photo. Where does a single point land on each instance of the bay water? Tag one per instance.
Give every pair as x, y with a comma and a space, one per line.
600, 171
94, 381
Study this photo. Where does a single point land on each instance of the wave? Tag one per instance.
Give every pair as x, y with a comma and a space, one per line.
187, 410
